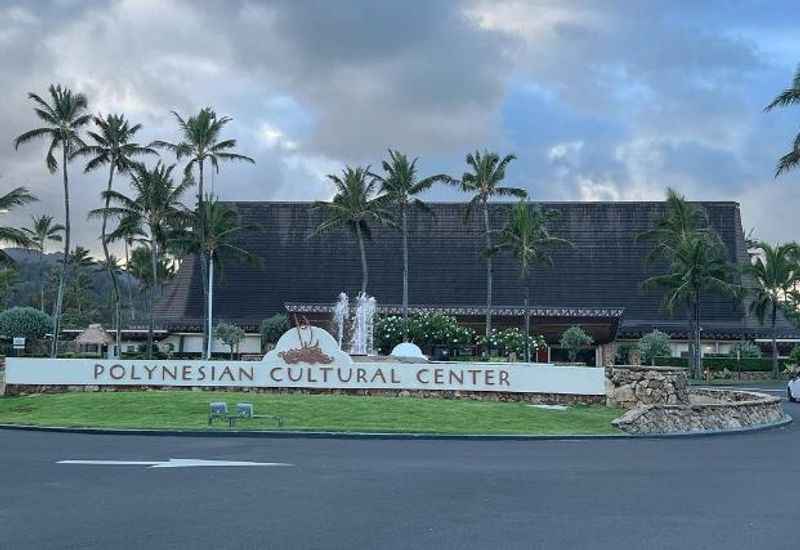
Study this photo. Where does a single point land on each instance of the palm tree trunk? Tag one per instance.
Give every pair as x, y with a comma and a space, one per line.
405, 263
128, 283
114, 283
774, 342
151, 323
698, 350
364, 273
42, 281
527, 323
489, 275
65, 263
210, 307
201, 232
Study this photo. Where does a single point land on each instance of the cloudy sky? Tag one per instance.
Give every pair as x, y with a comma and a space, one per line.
600, 100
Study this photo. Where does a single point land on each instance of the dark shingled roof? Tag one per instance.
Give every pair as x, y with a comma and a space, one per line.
605, 268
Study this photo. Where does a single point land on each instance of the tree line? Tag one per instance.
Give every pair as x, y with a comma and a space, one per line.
152, 218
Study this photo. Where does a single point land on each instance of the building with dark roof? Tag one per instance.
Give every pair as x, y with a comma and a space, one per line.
597, 283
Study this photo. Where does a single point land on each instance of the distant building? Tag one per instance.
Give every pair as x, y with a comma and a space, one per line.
595, 284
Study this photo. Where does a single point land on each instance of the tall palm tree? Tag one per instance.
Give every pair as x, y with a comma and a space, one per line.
14, 198
80, 261
41, 231
220, 239
775, 272
200, 142
154, 211
113, 146
399, 188
681, 219
526, 235
788, 97
698, 264
63, 117
484, 182
354, 206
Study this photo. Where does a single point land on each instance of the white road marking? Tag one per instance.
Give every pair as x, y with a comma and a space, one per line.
172, 463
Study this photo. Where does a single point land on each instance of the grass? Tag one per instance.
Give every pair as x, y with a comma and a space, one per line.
189, 410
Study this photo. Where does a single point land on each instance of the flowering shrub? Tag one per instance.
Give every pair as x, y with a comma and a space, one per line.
427, 330
512, 340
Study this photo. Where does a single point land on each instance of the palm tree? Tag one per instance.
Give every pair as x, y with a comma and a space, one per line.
220, 238
484, 183
80, 261
528, 238
154, 212
200, 142
681, 219
775, 273
790, 96
354, 206
16, 197
63, 118
41, 231
399, 188
698, 264
113, 147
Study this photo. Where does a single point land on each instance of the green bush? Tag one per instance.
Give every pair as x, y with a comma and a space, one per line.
747, 349
623, 350
230, 334
25, 321
794, 356
722, 363
654, 344
575, 339
273, 328
512, 340
427, 330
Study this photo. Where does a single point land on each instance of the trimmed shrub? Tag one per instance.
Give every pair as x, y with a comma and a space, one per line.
722, 363
575, 339
747, 349
273, 328
25, 321
654, 344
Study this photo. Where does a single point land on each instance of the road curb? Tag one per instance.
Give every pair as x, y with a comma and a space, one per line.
286, 434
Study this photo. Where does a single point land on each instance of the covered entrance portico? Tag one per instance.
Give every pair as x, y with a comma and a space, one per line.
550, 322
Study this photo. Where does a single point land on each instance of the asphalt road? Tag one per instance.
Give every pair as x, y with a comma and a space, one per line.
740, 491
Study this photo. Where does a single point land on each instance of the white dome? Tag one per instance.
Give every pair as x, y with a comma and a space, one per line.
407, 350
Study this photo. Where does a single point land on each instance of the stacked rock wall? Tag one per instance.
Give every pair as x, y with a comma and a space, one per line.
712, 410
635, 386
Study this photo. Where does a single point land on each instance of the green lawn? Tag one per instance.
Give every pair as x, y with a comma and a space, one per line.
189, 410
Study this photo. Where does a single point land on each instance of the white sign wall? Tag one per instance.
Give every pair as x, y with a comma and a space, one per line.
309, 358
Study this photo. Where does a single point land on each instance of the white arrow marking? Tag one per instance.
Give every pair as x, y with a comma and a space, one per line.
172, 463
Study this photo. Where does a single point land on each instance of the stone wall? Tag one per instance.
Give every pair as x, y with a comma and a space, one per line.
710, 410
635, 386
533, 398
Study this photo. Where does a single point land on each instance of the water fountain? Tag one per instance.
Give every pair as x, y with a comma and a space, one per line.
340, 314
363, 322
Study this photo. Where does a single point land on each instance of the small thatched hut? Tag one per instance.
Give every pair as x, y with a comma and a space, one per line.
93, 340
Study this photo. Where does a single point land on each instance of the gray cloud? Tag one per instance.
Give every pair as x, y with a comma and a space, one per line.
599, 101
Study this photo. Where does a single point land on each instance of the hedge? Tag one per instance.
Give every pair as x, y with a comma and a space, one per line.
722, 363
